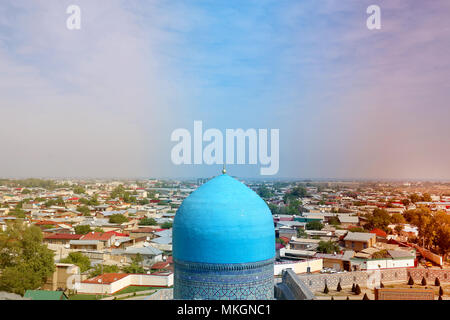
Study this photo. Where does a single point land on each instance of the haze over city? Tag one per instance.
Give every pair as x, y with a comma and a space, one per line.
102, 101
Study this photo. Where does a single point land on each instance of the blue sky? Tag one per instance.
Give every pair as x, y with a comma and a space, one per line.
102, 101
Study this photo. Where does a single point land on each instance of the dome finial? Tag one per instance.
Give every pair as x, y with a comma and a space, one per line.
224, 170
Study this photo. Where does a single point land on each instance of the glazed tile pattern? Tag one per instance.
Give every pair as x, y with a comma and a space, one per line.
237, 281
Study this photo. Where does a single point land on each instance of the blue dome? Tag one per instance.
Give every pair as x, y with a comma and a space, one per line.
223, 221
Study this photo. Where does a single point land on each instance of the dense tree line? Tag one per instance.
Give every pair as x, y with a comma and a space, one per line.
25, 263
433, 228
30, 183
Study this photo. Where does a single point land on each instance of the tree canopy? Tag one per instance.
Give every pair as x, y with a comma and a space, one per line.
379, 218
82, 229
78, 259
99, 269
25, 263
433, 228
84, 210
148, 222
135, 266
314, 225
328, 247
78, 190
118, 218
264, 192
166, 225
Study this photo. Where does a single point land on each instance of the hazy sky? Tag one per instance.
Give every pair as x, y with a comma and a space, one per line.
102, 101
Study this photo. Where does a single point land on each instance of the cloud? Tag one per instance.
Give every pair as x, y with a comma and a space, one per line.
103, 101
81, 103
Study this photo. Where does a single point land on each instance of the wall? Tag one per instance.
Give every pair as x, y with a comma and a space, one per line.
336, 264
403, 294
299, 267
430, 274
317, 281
151, 280
60, 277
386, 264
356, 245
292, 288
429, 255
163, 294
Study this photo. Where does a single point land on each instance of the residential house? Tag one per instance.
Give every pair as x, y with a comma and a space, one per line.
63, 278
358, 241
61, 238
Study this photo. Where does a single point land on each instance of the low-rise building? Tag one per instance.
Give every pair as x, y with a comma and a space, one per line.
358, 241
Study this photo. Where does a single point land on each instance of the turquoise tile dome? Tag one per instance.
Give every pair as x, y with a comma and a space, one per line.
224, 222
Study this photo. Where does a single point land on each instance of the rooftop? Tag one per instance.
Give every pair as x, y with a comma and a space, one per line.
106, 278
359, 236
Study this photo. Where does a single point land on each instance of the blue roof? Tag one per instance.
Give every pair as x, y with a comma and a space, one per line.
223, 221
162, 240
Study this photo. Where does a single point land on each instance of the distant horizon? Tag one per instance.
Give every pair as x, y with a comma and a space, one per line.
262, 178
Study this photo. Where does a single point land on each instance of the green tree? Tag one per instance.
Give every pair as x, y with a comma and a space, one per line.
437, 283
25, 263
406, 202
301, 233
166, 225
148, 222
314, 225
78, 259
294, 207
84, 210
357, 289
424, 281
135, 266
18, 213
328, 247
334, 221
82, 229
49, 203
299, 191
426, 197
99, 269
60, 202
117, 192
79, 190
414, 198
273, 208
264, 192
397, 218
118, 218
379, 218
380, 254
98, 229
